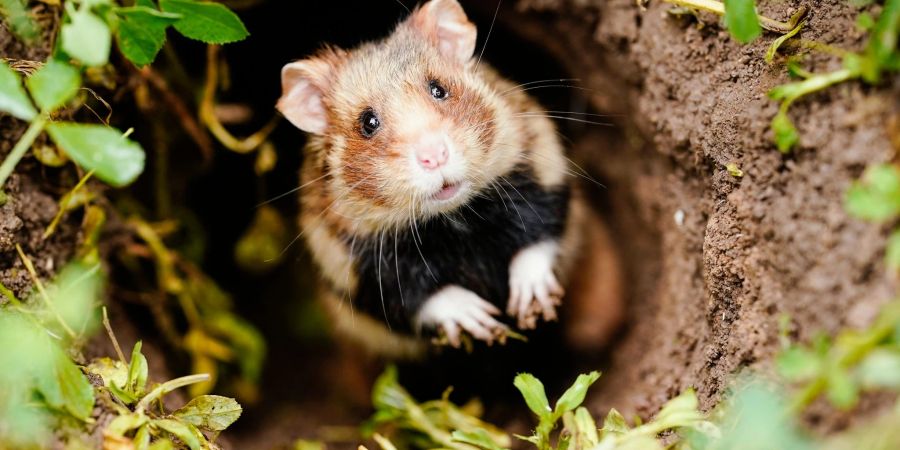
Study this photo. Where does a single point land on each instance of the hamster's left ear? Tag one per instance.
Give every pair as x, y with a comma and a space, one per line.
445, 23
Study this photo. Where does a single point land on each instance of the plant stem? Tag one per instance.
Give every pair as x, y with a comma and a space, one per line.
33, 131
718, 7
170, 386
43, 292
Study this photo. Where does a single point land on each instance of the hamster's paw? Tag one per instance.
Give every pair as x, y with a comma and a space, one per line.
533, 288
454, 310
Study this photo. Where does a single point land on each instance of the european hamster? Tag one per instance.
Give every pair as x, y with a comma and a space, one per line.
436, 198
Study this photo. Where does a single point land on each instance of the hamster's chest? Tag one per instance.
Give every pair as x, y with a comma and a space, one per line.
471, 247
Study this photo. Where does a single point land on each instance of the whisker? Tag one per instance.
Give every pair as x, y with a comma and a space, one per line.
523, 199
397, 268
488, 38
404, 6
530, 83
290, 191
414, 227
380, 289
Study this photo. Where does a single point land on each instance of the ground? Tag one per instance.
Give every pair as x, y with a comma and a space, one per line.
713, 263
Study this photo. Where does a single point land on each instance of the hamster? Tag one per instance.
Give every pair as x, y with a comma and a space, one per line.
436, 199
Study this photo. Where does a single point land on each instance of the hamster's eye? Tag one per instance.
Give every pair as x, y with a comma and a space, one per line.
437, 91
368, 122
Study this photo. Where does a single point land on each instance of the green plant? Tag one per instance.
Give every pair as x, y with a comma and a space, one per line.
876, 198
40, 386
880, 55
85, 40
143, 421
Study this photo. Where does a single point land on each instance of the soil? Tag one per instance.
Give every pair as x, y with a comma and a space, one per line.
715, 261
712, 262
33, 190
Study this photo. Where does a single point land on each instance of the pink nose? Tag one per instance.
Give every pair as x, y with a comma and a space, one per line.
432, 156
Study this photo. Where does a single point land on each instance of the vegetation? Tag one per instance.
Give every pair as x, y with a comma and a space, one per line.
879, 57
50, 394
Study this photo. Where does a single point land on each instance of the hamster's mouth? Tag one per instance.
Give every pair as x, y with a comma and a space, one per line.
448, 191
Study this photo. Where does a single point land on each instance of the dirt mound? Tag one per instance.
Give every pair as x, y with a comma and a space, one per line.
714, 260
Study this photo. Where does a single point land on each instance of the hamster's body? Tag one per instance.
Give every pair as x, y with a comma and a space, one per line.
436, 192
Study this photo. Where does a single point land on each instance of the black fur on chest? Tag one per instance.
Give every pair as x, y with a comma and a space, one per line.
398, 270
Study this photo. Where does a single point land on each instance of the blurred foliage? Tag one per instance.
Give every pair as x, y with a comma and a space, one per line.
876, 198
215, 335
40, 386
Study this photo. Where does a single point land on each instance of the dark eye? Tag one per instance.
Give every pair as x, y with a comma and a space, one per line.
369, 122
437, 91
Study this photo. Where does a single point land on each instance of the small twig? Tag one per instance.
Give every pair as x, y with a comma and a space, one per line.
208, 114
176, 104
112, 337
63, 202
15, 155
43, 293
6, 292
718, 7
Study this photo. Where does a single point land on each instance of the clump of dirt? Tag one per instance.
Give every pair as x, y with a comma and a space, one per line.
715, 260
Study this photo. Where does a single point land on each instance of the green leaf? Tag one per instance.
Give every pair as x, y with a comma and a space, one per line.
880, 369
142, 32
137, 371
13, 99
162, 444
734, 170
183, 431
876, 196
55, 83
64, 387
114, 158
865, 22
477, 437
209, 22
883, 40
842, 391
798, 364
125, 423
74, 293
614, 424
741, 20
786, 135
113, 371
210, 412
86, 37
892, 251
770, 53
18, 19
573, 396
533, 391
142, 438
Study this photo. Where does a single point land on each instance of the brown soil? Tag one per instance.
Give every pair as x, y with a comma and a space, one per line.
713, 260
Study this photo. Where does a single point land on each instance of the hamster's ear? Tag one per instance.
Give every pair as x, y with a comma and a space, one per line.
303, 85
445, 22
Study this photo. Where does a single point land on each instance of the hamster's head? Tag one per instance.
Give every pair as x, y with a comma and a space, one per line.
408, 127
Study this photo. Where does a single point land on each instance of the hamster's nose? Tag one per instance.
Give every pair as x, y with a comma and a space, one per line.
432, 156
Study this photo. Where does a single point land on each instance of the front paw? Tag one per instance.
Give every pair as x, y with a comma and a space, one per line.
534, 290
454, 310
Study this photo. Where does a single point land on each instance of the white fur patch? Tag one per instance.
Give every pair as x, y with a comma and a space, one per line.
454, 309
533, 288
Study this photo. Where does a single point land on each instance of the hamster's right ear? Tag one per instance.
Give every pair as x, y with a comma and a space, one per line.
303, 85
